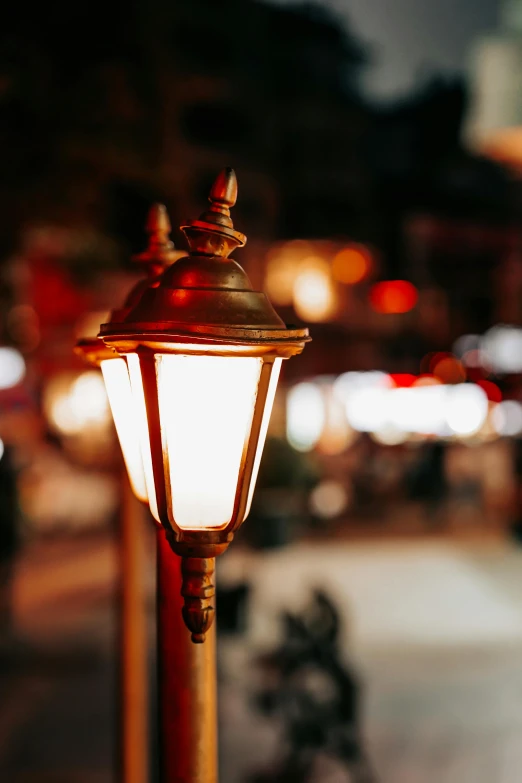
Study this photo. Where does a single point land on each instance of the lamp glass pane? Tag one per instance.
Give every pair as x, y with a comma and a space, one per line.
141, 427
206, 404
269, 404
117, 384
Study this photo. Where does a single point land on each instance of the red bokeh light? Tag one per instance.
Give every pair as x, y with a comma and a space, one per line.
403, 379
393, 296
491, 389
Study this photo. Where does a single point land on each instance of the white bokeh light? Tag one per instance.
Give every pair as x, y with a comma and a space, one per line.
503, 348
466, 408
305, 415
12, 367
328, 499
507, 418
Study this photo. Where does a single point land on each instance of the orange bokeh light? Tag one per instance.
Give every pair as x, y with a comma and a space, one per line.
449, 369
427, 380
393, 296
352, 264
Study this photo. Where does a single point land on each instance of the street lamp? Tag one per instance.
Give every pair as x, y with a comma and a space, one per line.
159, 254
132, 617
203, 352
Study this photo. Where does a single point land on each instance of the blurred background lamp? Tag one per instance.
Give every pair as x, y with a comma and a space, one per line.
159, 253
12, 367
204, 351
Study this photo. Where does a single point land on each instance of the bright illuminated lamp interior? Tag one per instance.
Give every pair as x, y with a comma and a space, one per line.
117, 384
206, 406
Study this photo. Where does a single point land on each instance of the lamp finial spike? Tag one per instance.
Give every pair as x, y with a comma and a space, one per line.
224, 189
160, 250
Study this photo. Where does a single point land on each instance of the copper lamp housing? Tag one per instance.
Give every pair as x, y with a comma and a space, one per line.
204, 311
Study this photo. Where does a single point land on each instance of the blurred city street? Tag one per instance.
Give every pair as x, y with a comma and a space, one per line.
433, 627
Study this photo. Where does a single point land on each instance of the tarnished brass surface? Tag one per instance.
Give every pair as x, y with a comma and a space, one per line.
206, 294
186, 684
199, 594
159, 253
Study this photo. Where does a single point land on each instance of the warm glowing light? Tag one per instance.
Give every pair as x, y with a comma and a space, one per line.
12, 367
328, 499
305, 416
88, 398
507, 418
393, 296
117, 384
336, 433
351, 264
448, 369
206, 405
389, 435
142, 429
403, 379
2, 448
74, 405
426, 380
269, 404
283, 264
314, 295
467, 408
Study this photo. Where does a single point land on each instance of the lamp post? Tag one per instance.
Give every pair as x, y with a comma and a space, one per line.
132, 615
203, 351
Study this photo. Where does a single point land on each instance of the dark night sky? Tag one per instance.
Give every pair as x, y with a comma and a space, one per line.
413, 38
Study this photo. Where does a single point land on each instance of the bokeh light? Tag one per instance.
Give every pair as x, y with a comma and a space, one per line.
503, 346
467, 408
492, 391
352, 264
314, 295
305, 416
507, 418
75, 403
448, 369
328, 499
283, 264
12, 367
393, 296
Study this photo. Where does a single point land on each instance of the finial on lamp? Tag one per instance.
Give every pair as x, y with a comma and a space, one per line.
213, 233
160, 250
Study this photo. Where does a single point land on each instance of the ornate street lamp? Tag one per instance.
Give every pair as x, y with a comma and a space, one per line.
203, 352
132, 617
160, 253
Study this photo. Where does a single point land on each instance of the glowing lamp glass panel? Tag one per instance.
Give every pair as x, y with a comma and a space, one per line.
269, 404
117, 384
142, 429
206, 406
